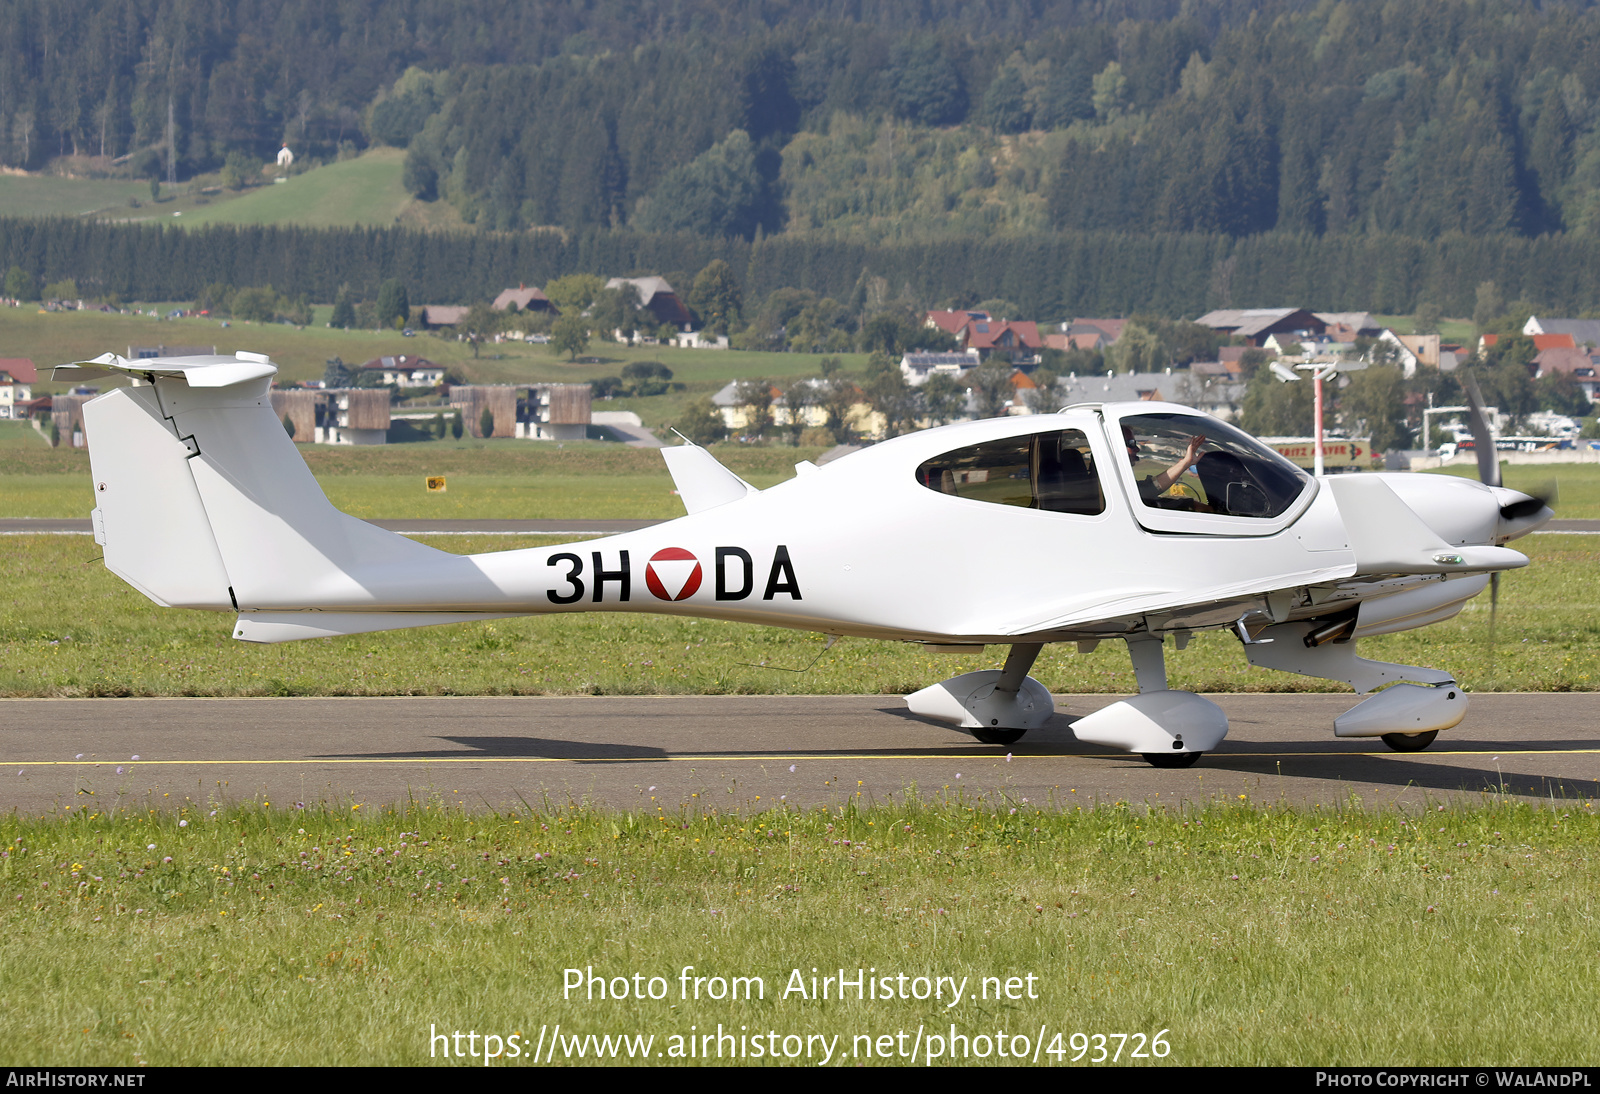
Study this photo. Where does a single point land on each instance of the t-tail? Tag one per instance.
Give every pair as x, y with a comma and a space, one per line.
202, 501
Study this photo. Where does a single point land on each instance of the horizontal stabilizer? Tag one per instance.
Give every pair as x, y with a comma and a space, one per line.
195, 371
702, 482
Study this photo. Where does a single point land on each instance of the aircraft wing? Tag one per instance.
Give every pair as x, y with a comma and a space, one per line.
1090, 607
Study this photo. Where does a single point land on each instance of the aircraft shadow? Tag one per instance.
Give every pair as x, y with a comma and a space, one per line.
602, 752
1418, 772
518, 748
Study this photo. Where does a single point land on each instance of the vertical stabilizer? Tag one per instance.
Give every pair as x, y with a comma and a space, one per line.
148, 514
205, 502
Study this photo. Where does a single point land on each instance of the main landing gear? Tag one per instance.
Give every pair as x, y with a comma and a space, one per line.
1168, 728
1173, 729
998, 707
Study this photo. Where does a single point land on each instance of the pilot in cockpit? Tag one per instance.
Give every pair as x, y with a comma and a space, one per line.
1153, 486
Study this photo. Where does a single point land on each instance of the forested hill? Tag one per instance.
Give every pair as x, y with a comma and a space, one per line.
893, 120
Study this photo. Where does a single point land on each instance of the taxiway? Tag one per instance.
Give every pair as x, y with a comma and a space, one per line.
742, 752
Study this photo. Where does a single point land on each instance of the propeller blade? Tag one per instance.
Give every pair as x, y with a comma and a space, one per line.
1482, 441
1539, 497
1494, 608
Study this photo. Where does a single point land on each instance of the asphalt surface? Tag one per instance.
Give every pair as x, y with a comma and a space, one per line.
17, 526
743, 752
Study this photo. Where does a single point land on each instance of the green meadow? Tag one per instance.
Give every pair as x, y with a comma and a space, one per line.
364, 191
1233, 933
41, 195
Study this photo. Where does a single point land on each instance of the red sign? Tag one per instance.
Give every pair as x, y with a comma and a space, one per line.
672, 568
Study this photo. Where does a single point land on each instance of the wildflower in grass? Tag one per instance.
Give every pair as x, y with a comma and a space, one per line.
150, 847
183, 824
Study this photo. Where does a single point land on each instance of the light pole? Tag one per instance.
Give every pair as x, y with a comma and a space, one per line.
1320, 371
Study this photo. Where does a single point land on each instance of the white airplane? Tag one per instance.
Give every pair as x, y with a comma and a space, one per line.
1138, 522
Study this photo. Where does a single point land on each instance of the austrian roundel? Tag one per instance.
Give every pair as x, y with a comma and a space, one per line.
672, 574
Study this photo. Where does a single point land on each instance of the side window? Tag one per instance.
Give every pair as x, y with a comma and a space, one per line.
1195, 466
1050, 471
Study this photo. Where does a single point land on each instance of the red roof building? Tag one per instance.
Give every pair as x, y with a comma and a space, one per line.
1014, 338
18, 370
951, 322
1543, 342
1111, 328
1581, 366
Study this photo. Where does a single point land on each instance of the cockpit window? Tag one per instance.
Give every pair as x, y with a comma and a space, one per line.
1050, 471
1204, 466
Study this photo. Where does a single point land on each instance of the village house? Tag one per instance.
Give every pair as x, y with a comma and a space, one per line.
916, 367
1541, 342
343, 416
977, 332
1582, 365
1086, 334
405, 371
66, 415
17, 375
658, 298
1255, 325
1584, 332
1347, 326
861, 417
436, 316
951, 322
1015, 340
523, 298
536, 412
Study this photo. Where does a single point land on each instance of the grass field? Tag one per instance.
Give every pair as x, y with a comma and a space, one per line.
68, 627
265, 934
51, 195
1459, 331
497, 479
352, 193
